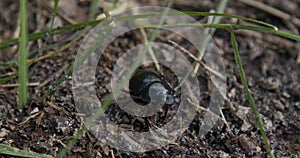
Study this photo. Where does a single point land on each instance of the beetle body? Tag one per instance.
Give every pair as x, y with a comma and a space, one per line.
146, 86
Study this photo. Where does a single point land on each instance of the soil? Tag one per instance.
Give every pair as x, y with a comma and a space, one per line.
271, 65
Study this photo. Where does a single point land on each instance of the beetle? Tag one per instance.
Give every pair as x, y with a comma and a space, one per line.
146, 86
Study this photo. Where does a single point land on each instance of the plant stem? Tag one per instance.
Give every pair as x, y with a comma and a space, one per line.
22, 66
248, 93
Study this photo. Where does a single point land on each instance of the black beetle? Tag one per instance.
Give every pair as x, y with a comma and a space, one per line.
146, 85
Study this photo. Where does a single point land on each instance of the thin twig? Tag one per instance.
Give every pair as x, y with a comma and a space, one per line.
200, 62
59, 72
210, 70
150, 49
272, 11
29, 118
298, 58
17, 85
144, 34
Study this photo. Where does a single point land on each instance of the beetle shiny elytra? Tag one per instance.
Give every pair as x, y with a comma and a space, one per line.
146, 86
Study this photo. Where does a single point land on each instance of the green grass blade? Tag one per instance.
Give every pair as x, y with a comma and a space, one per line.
93, 9
81, 59
74, 38
220, 9
11, 151
199, 14
22, 63
234, 26
72, 142
49, 31
5, 79
63, 44
54, 14
68, 28
86, 54
248, 93
268, 29
217, 26
9, 63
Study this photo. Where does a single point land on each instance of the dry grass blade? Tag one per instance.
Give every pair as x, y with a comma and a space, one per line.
272, 11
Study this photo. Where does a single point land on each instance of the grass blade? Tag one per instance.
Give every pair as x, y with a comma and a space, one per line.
49, 30
81, 59
22, 63
267, 29
234, 26
8, 150
99, 39
5, 79
249, 96
39, 35
207, 37
93, 9
199, 14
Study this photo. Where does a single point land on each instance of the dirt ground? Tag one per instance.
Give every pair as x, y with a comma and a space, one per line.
271, 65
